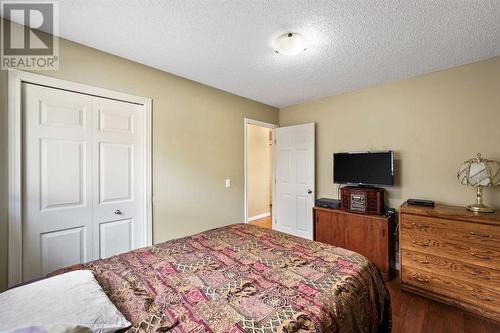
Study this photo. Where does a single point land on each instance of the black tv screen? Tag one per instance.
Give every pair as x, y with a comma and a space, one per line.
364, 168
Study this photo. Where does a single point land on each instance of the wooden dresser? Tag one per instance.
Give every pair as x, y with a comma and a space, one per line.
452, 255
369, 235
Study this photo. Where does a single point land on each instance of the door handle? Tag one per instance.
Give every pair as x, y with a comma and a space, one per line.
118, 212
309, 192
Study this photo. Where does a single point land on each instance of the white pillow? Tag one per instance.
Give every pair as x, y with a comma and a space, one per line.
73, 300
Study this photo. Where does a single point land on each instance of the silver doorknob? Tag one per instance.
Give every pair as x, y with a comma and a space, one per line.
118, 212
309, 192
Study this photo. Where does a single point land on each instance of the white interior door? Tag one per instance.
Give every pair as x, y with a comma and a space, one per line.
57, 183
118, 143
294, 174
84, 181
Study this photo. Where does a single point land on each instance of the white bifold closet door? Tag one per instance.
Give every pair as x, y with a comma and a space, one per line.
83, 178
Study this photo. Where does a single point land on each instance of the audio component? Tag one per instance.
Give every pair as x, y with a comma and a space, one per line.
420, 202
328, 203
364, 200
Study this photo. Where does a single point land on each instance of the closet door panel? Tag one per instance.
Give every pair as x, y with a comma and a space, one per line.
63, 248
57, 185
115, 237
119, 183
115, 172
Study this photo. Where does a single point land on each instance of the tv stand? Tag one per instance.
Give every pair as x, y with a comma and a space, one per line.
369, 235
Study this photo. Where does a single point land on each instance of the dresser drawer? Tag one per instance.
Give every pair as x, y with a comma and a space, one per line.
462, 251
449, 267
485, 235
458, 291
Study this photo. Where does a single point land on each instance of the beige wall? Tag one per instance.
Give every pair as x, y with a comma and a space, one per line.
433, 122
259, 160
197, 141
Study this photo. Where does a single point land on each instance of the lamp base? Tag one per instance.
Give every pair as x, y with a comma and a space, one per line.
480, 208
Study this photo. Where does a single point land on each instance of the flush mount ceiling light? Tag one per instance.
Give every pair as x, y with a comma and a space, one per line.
290, 44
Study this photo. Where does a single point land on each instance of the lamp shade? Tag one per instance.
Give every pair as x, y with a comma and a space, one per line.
479, 172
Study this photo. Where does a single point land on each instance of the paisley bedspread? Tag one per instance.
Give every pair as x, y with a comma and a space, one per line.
243, 278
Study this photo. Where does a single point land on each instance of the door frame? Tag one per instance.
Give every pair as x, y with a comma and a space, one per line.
15, 163
248, 121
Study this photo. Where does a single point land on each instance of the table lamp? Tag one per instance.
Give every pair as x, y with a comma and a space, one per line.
479, 172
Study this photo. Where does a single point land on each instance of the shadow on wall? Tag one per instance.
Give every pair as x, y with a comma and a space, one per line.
396, 192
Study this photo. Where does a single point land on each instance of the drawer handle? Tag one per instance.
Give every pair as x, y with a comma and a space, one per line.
480, 256
420, 226
481, 235
419, 279
483, 276
482, 298
420, 243
421, 261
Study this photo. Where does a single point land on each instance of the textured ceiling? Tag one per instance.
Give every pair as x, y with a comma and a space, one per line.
226, 43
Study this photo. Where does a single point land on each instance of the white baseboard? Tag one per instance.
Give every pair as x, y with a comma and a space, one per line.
260, 216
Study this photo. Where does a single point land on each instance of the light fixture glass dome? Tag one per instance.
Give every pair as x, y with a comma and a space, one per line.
290, 44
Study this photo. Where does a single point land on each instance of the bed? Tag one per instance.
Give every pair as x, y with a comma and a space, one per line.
244, 278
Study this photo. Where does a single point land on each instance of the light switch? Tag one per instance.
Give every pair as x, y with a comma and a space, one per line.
228, 182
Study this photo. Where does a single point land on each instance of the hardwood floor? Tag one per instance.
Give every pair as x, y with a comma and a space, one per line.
265, 222
414, 314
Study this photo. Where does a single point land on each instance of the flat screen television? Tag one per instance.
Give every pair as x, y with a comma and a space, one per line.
364, 168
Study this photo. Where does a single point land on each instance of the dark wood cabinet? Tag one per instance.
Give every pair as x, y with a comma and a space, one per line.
329, 229
369, 235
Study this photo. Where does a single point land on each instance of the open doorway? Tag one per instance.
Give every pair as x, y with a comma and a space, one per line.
259, 170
